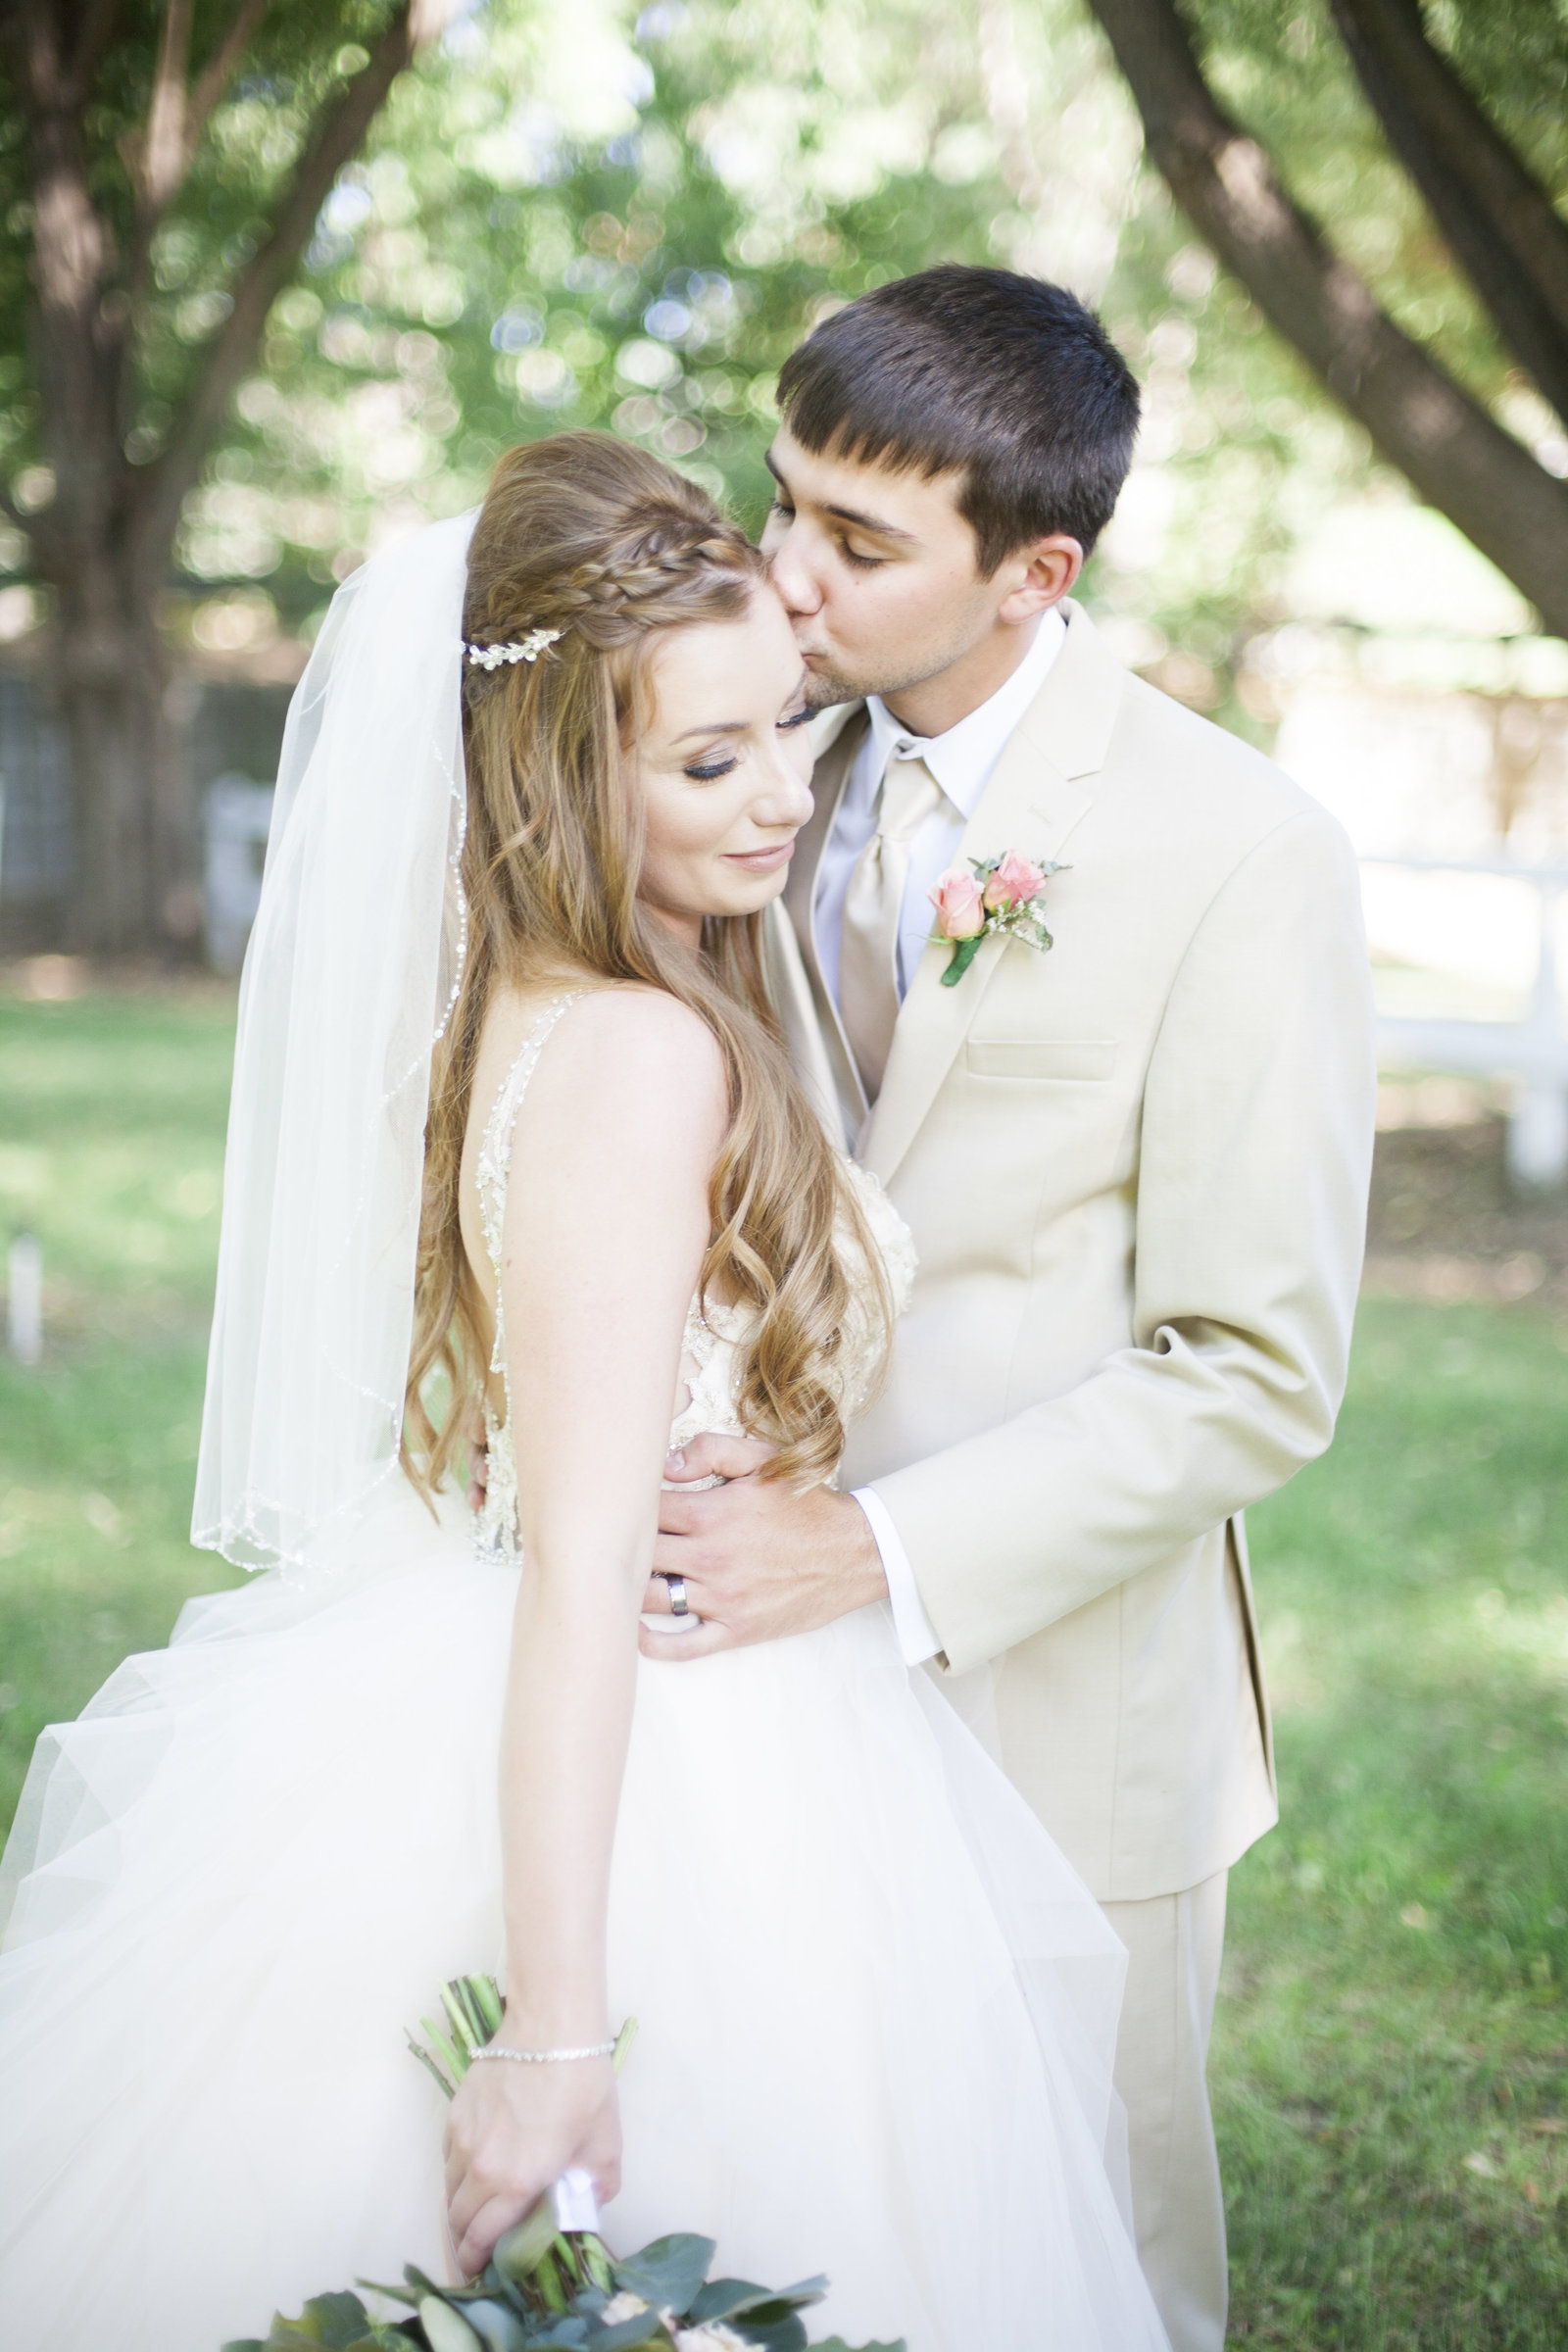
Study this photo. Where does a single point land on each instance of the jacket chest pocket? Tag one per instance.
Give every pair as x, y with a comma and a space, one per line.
1037, 1058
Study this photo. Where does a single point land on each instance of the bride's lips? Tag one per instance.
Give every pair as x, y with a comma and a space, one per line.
763, 862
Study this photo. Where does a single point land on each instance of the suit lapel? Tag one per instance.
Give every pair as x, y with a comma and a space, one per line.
829, 779
1039, 791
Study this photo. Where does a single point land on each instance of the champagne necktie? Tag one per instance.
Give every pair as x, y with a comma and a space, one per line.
869, 952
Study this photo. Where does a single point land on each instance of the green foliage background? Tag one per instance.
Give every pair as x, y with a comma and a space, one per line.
579, 212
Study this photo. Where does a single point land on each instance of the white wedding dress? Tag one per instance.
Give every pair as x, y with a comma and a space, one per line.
875, 2005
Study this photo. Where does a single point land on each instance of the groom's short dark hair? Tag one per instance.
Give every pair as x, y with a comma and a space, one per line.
1008, 379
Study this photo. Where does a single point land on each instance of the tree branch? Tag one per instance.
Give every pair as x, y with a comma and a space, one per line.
160, 152
158, 157
222, 66
1443, 440
1502, 228
162, 488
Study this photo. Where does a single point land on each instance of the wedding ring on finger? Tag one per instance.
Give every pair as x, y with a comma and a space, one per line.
679, 1605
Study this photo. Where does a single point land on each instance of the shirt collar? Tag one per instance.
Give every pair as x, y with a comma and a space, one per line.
961, 759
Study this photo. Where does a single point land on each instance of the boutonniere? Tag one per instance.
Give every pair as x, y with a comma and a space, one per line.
1002, 894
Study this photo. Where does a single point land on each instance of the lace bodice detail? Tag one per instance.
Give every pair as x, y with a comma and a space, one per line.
715, 1334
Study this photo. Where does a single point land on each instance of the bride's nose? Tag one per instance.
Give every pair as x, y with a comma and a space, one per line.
786, 799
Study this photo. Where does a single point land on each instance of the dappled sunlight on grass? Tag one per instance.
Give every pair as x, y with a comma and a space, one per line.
1391, 2059
114, 1121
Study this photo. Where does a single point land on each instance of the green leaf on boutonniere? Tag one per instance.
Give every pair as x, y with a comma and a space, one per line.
964, 952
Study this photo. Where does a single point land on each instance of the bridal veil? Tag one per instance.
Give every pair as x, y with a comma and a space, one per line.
352, 974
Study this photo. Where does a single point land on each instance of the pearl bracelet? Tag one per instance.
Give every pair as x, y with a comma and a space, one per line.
597, 2049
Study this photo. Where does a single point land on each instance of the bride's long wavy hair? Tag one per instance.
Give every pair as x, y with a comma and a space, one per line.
612, 547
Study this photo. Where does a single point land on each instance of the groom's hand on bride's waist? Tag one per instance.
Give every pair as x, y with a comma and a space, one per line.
757, 1557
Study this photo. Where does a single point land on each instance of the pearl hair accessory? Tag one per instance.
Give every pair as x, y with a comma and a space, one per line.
491, 657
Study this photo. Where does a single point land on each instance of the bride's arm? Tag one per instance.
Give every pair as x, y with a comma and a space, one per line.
607, 1222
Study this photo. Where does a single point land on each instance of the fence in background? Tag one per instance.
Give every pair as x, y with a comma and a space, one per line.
234, 728
1531, 1052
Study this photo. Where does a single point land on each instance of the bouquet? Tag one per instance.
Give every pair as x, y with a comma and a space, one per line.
551, 2283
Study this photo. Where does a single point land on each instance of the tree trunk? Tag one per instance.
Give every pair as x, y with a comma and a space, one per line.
1459, 460
106, 540
137, 854
1500, 222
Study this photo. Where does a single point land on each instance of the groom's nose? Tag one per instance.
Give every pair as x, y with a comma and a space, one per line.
790, 569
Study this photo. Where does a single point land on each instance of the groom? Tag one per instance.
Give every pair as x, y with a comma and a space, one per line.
1135, 1167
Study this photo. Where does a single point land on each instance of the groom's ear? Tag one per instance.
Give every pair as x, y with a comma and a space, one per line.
1038, 576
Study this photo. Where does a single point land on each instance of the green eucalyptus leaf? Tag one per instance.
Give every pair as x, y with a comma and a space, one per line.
522, 2249
502, 2289
836, 2343
670, 2272
726, 2298
394, 2294
782, 2333
339, 2320
445, 2328
244, 2343
495, 2324
644, 2332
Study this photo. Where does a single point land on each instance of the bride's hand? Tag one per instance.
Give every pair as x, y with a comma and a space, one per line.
513, 2131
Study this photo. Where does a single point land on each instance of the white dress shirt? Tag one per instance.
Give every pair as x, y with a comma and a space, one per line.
962, 762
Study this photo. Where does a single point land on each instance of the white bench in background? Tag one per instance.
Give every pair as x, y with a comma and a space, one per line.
1531, 1052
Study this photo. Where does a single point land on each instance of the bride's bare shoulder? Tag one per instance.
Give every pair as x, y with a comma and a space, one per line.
620, 1056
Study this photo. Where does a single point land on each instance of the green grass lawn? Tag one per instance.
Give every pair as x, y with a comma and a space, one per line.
1391, 2064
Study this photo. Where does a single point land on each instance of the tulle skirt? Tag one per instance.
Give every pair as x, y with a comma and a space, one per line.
876, 2007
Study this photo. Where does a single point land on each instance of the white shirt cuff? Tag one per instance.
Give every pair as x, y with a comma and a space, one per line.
917, 1635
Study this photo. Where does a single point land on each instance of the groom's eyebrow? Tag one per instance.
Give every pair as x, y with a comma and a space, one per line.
860, 520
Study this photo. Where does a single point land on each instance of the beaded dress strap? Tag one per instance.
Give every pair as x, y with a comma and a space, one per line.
494, 1167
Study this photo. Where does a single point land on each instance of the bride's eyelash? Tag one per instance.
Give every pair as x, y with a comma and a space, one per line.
709, 774
796, 719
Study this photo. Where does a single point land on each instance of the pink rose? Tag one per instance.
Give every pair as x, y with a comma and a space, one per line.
961, 911
1014, 883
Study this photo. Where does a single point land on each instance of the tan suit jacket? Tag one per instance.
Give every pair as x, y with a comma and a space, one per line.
1136, 1171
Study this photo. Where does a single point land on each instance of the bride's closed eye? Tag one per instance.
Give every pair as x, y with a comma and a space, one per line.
709, 771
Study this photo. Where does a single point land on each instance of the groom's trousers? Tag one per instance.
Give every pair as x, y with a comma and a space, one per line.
1173, 1951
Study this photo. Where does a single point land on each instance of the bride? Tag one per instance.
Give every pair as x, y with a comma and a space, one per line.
513, 1131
